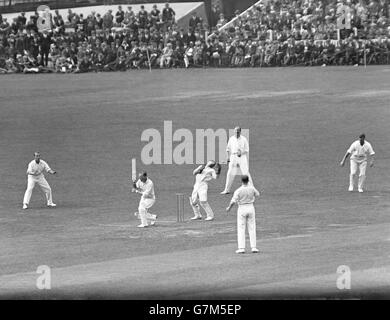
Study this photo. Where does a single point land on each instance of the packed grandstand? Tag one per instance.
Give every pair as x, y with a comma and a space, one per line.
269, 33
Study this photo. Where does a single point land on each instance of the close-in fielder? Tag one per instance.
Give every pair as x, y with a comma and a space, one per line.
237, 154
35, 175
203, 174
245, 197
145, 187
359, 151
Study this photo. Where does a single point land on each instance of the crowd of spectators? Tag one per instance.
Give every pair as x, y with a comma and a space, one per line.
304, 32
272, 33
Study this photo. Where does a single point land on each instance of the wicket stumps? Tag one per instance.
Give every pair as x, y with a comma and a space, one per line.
180, 207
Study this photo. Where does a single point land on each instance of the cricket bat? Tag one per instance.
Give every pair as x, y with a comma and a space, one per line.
133, 174
133, 170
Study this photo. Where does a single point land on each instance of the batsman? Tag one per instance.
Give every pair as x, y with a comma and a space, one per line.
145, 187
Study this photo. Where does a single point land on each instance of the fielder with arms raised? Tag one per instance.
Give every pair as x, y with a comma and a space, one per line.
145, 187
237, 154
359, 151
203, 174
35, 175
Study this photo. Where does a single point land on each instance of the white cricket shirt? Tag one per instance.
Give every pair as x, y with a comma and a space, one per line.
359, 152
235, 144
245, 195
206, 175
147, 189
37, 169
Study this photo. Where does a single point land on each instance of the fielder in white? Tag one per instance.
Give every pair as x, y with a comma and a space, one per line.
359, 151
203, 174
145, 187
237, 154
35, 175
245, 197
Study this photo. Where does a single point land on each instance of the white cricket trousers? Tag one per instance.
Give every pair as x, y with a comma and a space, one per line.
144, 215
237, 165
41, 181
199, 196
355, 165
246, 217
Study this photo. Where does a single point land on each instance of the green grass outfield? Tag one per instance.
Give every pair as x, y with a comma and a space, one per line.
88, 126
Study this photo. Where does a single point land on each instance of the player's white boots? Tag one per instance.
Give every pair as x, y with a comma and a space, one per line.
150, 219
25, 205
199, 217
254, 250
359, 189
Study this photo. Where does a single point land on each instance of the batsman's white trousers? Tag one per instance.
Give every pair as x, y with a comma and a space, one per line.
246, 217
237, 165
144, 205
199, 192
355, 165
41, 181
